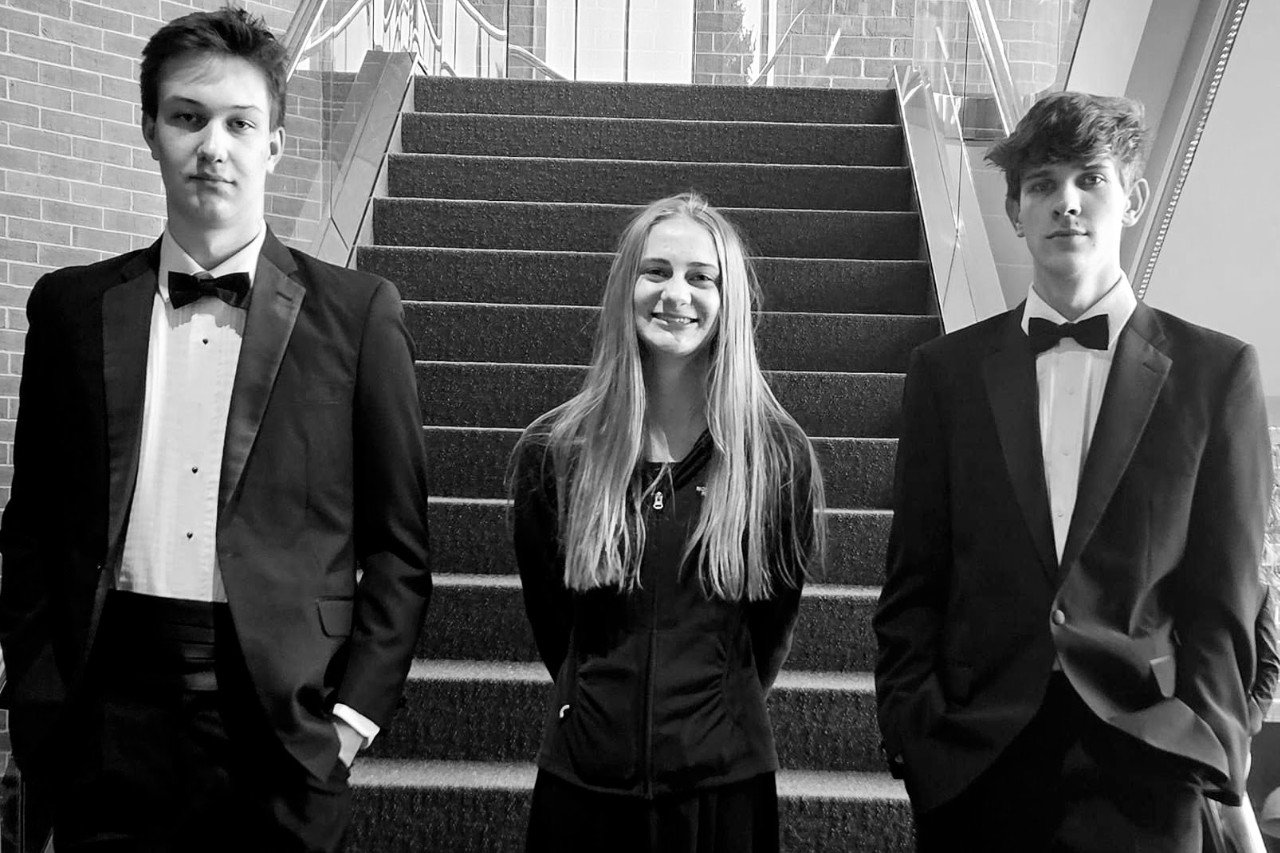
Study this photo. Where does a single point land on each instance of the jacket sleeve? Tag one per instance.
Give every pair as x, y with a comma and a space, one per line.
390, 503
1268, 670
25, 629
772, 621
547, 602
908, 618
1220, 592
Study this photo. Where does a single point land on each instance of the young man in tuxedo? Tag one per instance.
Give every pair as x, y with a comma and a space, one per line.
1066, 632
214, 433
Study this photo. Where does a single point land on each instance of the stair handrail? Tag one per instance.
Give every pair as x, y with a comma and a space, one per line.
301, 25
966, 281
483, 22
1008, 102
776, 53
528, 56
301, 40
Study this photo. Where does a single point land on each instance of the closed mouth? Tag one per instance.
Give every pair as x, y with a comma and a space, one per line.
1070, 232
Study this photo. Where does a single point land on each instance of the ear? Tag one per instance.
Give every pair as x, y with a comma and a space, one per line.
275, 148
1013, 209
149, 134
1139, 195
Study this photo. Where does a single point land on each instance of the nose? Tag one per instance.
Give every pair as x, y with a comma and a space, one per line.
1068, 201
677, 291
213, 141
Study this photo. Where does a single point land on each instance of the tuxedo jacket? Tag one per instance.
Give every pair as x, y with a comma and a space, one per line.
1151, 610
322, 470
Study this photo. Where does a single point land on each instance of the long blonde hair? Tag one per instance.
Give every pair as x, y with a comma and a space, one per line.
752, 514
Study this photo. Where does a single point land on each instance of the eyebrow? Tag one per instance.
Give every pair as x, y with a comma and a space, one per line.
182, 99
661, 259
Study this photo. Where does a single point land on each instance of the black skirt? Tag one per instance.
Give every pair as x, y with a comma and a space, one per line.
737, 818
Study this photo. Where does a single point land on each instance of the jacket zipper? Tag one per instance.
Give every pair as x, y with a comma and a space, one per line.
647, 720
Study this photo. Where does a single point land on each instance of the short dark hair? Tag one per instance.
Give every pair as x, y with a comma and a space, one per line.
229, 32
1071, 126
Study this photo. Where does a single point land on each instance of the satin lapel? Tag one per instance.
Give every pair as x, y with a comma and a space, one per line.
126, 337
1137, 375
1010, 374
273, 310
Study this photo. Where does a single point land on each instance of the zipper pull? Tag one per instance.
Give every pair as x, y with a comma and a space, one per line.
657, 500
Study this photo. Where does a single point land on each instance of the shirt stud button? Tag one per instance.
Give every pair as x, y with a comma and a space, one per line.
190, 534
206, 341
195, 469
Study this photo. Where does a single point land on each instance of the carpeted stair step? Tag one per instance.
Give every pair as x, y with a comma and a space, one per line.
554, 179
655, 100
481, 807
535, 334
578, 278
771, 141
821, 721
472, 463
833, 633
581, 227
473, 536
482, 394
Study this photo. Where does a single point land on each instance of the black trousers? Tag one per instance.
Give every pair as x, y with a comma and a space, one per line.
1069, 783
737, 818
170, 749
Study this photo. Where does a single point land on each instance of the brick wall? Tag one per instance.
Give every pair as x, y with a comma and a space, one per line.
76, 182
844, 43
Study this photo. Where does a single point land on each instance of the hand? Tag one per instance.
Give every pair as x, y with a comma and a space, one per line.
349, 741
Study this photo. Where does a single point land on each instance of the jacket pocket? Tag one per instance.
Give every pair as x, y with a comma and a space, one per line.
335, 615
596, 719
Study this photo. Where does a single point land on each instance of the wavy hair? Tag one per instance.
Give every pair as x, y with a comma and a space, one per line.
1067, 126
762, 519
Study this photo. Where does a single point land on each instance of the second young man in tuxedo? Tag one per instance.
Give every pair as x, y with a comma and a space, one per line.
1066, 631
214, 432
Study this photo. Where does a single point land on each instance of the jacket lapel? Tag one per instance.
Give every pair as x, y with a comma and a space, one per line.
273, 309
1010, 374
126, 337
1138, 372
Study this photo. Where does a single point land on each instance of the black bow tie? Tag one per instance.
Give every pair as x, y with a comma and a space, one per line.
232, 288
1045, 334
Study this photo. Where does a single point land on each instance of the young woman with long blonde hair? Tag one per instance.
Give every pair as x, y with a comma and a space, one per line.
665, 519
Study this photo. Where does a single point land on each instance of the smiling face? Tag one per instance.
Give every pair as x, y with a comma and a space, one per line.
213, 139
1072, 215
677, 292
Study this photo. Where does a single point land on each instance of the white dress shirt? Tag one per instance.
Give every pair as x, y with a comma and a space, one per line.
170, 546
1071, 380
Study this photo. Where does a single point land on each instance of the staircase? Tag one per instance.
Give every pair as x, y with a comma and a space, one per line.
504, 211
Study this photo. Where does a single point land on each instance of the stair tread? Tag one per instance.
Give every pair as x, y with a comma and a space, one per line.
507, 306
710, 164
515, 432
756, 259
535, 672
581, 205
459, 501
578, 368
760, 123
816, 589
406, 773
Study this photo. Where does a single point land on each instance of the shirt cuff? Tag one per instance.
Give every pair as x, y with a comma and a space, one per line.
364, 727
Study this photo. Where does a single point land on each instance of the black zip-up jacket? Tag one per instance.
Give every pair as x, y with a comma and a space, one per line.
660, 689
